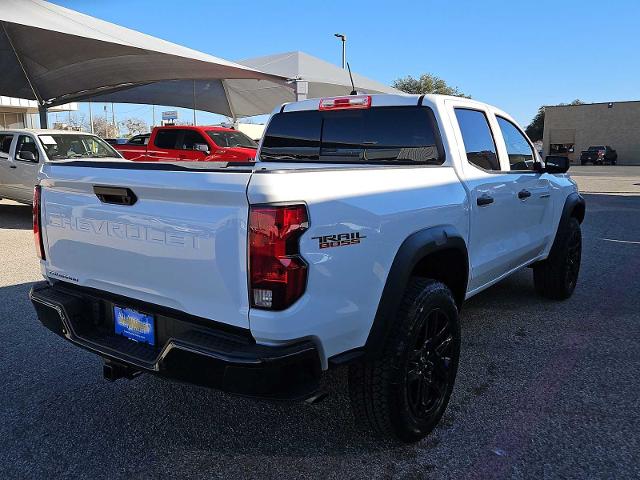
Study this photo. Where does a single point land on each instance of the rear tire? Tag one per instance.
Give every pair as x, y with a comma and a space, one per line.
557, 276
404, 392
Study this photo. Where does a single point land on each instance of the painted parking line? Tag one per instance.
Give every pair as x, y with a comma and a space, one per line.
621, 241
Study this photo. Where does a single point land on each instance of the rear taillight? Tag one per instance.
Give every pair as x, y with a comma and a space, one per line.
342, 103
37, 228
277, 272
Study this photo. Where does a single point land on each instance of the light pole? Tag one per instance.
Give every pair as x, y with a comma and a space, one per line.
343, 38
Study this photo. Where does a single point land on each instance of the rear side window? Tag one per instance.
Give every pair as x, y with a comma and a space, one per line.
190, 138
477, 138
518, 149
5, 144
377, 135
167, 139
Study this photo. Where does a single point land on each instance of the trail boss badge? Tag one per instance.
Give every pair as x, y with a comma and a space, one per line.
339, 240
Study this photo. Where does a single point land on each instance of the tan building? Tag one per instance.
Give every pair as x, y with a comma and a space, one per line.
569, 129
23, 113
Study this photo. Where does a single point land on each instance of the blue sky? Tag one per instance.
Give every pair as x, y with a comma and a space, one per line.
515, 55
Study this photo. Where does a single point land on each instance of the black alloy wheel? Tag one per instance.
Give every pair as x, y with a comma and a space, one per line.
428, 368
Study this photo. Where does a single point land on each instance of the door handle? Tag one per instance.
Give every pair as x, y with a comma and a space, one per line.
522, 194
12, 166
484, 200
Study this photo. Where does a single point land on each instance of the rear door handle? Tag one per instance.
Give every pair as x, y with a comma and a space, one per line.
522, 194
484, 200
12, 166
115, 195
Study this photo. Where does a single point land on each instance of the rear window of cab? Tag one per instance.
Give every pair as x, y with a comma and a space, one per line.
379, 135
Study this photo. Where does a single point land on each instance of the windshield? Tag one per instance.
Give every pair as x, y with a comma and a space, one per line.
231, 139
599, 147
63, 146
376, 135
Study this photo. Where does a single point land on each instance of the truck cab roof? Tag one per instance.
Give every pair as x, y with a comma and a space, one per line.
384, 100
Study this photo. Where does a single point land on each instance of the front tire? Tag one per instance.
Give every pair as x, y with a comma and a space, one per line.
404, 392
557, 276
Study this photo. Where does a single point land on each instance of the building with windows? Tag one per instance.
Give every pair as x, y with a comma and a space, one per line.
570, 129
23, 113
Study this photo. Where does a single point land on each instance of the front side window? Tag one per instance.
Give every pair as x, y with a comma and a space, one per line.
376, 135
478, 140
520, 153
26, 149
231, 139
68, 146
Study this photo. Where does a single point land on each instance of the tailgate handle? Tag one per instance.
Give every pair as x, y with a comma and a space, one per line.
115, 195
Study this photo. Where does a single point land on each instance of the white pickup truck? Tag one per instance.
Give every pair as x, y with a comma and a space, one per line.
354, 240
23, 151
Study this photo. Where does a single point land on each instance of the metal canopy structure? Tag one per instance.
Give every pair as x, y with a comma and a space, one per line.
309, 77
323, 79
55, 55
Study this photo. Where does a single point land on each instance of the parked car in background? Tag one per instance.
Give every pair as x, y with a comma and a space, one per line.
599, 155
186, 143
115, 141
23, 151
353, 241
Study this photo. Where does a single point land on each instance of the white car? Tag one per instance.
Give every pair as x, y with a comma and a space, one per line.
23, 151
353, 241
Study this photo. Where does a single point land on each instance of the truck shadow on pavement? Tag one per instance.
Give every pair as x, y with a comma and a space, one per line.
87, 414
15, 216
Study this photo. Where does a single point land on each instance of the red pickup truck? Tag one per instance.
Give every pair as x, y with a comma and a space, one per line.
186, 143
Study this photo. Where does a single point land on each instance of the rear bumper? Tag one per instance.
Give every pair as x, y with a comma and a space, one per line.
188, 349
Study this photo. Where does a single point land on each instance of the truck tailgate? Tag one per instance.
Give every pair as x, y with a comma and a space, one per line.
181, 244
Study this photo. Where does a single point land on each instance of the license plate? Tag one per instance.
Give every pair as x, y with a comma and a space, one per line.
134, 325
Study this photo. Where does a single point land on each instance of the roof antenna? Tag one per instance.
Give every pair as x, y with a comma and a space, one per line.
353, 92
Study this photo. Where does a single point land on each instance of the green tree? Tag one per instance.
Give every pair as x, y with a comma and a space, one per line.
536, 128
427, 83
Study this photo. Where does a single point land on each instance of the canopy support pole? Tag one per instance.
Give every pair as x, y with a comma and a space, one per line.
44, 118
302, 90
41, 104
194, 103
91, 117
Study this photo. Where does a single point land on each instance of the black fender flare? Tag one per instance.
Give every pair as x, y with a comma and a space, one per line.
574, 206
414, 248
573, 203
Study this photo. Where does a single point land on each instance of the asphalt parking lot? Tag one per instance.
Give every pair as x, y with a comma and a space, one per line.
545, 389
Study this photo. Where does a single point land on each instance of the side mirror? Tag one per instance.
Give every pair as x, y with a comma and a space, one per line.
556, 164
28, 156
201, 147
